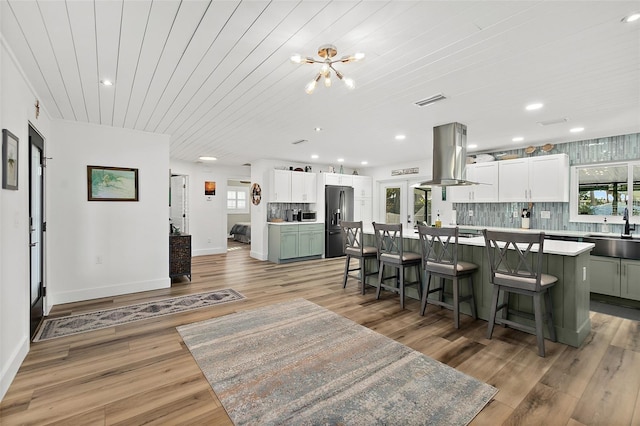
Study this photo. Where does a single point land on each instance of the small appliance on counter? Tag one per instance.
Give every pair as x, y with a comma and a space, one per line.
307, 216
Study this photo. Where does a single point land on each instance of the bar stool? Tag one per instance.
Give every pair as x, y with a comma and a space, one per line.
516, 268
354, 248
440, 259
391, 253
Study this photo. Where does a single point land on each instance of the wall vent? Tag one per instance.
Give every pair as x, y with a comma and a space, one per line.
430, 100
554, 121
299, 141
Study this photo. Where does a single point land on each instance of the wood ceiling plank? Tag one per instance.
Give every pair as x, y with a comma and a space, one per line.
108, 19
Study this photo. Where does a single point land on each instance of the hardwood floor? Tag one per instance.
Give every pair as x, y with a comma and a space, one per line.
143, 373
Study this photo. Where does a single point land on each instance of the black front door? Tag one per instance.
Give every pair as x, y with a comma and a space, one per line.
36, 227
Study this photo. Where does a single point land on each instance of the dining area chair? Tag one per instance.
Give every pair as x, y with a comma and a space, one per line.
354, 248
439, 248
516, 261
391, 254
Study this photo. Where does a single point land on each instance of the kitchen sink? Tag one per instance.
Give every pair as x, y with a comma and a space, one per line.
614, 247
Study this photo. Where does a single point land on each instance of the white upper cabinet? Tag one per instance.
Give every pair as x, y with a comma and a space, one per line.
338, 179
542, 178
303, 187
486, 174
293, 187
281, 186
362, 186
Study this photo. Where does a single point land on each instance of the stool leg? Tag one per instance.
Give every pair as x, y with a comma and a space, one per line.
401, 287
419, 274
380, 270
425, 295
494, 306
505, 301
537, 310
456, 303
472, 301
549, 308
363, 275
346, 271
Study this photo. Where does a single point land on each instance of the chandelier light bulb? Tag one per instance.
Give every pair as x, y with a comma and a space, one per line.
324, 69
296, 58
327, 80
310, 87
358, 56
349, 83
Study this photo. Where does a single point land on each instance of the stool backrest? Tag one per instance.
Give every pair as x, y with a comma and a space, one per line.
352, 235
515, 258
439, 248
388, 239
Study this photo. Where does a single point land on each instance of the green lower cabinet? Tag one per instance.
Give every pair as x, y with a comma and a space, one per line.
295, 242
615, 277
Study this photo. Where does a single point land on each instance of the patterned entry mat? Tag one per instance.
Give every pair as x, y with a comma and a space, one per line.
74, 324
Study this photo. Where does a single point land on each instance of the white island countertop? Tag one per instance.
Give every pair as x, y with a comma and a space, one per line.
562, 248
295, 223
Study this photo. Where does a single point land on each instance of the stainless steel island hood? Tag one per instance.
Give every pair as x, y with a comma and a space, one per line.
449, 155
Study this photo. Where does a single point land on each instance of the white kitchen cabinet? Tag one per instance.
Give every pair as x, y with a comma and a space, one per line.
303, 187
362, 186
363, 210
338, 179
542, 178
293, 187
486, 174
615, 277
281, 186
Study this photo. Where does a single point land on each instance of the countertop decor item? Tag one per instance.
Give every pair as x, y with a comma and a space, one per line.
327, 52
530, 150
547, 147
295, 362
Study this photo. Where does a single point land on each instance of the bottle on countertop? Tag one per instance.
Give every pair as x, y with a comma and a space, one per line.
605, 226
438, 221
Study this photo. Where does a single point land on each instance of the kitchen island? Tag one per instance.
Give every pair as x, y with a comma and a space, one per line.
567, 260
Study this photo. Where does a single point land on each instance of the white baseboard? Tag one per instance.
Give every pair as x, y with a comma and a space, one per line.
57, 298
10, 369
257, 255
205, 252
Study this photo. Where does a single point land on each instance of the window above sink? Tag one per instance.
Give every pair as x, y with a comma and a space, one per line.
604, 190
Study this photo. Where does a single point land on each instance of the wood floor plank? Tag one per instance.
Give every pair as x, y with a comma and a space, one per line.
615, 384
142, 373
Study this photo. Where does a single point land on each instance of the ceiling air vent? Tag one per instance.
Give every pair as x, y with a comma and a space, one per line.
554, 121
299, 141
430, 100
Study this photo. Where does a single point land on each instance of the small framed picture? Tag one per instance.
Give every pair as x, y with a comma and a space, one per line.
9, 160
112, 184
209, 188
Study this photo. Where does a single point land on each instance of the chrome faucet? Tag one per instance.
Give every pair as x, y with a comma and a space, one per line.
625, 217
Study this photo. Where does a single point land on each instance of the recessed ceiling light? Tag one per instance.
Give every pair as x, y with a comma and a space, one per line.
631, 18
106, 82
518, 139
532, 107
576, 129
364, 163
400, 137
472, 146
314, 156
340, 160
208, 158
317, 129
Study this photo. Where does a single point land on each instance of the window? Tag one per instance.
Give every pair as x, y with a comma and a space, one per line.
237, 199
604, 190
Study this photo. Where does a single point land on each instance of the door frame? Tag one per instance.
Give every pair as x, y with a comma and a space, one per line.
40, 304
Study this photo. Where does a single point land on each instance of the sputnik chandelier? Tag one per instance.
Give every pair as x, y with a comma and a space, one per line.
327, 52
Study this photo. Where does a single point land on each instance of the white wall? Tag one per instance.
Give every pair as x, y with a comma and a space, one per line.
208, 214
17, 109
102, 248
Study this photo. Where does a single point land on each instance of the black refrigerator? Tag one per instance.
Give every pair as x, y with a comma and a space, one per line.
338, 207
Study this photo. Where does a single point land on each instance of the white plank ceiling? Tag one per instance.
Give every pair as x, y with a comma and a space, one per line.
216, 75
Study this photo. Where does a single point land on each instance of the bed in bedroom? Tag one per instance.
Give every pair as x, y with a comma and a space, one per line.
241, 231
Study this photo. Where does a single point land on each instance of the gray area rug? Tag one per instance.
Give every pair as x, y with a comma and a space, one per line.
74, 324
298, 363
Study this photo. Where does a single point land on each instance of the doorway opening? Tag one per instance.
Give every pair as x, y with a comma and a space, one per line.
178, 204
37, 227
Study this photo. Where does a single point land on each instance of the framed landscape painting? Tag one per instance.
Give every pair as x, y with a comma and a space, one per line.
9, 160
112, 184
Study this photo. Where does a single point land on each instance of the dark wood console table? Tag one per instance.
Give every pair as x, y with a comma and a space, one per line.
179, 255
